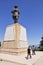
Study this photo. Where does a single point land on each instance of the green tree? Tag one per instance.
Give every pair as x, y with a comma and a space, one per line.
41, 45
41, 42
0, 43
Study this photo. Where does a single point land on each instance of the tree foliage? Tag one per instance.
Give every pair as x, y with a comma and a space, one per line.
40, 48
0, 43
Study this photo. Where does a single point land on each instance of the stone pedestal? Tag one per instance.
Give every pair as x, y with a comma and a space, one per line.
15, 40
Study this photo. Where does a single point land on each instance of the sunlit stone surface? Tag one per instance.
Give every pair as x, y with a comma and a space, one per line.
15, 40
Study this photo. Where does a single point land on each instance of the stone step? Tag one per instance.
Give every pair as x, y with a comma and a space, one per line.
21, 60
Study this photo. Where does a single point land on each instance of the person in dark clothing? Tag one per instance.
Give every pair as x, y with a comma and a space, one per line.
33, 50
28, 52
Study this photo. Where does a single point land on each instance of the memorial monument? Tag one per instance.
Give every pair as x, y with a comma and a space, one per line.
15, 37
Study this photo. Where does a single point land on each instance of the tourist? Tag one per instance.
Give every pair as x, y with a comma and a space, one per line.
28, 52
33, 50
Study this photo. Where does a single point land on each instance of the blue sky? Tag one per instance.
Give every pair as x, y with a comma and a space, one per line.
31, 16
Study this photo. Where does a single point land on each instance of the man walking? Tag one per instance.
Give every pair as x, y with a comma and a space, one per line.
28, 52
33, 50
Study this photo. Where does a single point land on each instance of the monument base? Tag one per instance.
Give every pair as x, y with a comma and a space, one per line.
15, 40
17, 51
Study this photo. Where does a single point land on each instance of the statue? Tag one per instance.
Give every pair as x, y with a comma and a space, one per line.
15, 13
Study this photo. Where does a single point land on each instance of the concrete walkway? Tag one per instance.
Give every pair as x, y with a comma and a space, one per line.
6, 59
